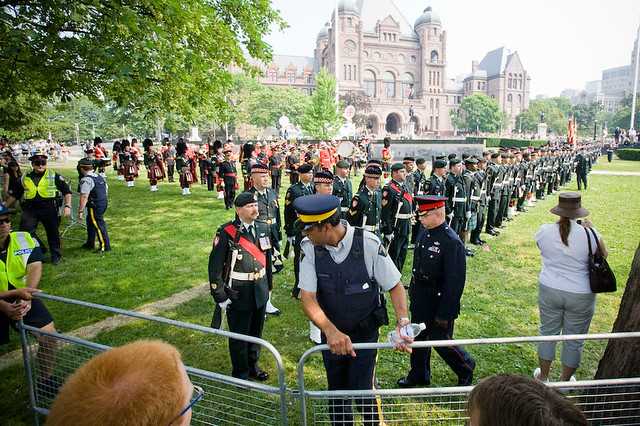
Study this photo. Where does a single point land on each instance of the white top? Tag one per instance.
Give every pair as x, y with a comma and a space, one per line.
564, 267
378, 263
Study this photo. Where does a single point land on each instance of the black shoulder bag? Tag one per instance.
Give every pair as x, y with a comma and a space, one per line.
601, 277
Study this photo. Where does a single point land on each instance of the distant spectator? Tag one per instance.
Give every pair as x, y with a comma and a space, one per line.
507, 400
142, 383
565, 300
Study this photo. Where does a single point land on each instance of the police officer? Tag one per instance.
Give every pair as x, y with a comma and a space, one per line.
302, 187
396, 215
342, 186
269, 214
366, 205
437, 283
93, 196
39, 205
229, 174
343, 273
239, 274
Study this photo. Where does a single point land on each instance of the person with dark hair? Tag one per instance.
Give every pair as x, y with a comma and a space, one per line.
387, 157
343, 273
115, 160
183, 167
129, 163
229, 174
507, 400
565, 300
93, 196
13, 189
153, 164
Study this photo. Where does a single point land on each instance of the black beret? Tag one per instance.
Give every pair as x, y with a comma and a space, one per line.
323, 176
408, 160
305, 168
397, 166
85, 162
373, 171
420, 160
454, 161
343, 164
245, 198
439, 164
450, 156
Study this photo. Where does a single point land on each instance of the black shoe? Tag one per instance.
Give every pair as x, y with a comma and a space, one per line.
468, 379
493, 232
295, 292
56, 260
258, 374
482, 241
477, 243
468, 253
87, 246
406, 382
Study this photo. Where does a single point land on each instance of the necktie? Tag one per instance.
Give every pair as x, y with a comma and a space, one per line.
250, 232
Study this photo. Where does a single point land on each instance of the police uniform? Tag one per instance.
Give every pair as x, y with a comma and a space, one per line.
95, 187
396, 214
239, 271
437, 283
294, 237
229, 175
342, 189
348, 281
39, 205
366, 205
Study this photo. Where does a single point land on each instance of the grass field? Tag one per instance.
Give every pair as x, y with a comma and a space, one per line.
161, 244
617, 165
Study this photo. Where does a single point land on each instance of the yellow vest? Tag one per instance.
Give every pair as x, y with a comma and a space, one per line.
14, 270
46, 186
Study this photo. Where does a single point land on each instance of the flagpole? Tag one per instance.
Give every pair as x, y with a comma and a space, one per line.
635, 82
335, 52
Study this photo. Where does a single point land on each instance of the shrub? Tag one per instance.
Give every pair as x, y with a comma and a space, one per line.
629, 154
507, 142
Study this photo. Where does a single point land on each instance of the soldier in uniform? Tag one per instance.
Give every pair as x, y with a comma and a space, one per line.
323, 182
299, 189
276, 164
239, 275
41, 186
269, 215
387, 157
396, 215
183, 167
457, 198
581, 169
229, 175
293, 162
437, 283
479, 194
93, 196
419, 185
409, 166
343, 273
473, 198
366, 206
495, 176
342, 186
436, 183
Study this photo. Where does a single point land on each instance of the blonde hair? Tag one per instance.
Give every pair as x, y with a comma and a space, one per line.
137, 384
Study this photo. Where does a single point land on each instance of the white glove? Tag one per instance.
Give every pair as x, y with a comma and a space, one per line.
467, 214
224, 304
388, 237
450, 215
291, 240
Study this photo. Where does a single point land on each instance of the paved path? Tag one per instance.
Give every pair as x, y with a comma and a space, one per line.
90, 331
614, 173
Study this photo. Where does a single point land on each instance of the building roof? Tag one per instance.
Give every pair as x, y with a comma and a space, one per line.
372, 11
495, 61
428, 17
300, 62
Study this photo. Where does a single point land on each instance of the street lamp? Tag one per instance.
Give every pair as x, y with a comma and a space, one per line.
595, 129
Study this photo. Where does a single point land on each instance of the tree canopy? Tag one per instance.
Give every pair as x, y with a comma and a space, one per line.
479, 112
163, 55
322, 119
555, 111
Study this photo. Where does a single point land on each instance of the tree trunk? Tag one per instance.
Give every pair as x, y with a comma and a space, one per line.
619, 404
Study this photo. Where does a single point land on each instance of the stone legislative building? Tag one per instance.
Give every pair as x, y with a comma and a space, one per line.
402, 67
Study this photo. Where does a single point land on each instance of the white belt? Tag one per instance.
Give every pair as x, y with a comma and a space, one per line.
344, 209
497, 185
459, 200
404, 215
484, 191
420, 192
475, 198
370, 228
248, 276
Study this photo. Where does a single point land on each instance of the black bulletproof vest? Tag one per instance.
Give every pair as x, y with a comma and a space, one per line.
346, 293
98, 197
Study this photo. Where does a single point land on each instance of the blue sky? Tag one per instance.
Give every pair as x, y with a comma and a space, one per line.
562, 43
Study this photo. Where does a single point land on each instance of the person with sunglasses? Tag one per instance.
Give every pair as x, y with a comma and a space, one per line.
41, 186
143, 383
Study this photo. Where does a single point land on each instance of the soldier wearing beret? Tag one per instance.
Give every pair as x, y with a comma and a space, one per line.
239, 275
343, 273
269, 215
435, 185
342, 186
366, 206
302, 187
396, 215
229, 175
409, 166
457, 197
323, 182
495, 176
437, 283
276, 164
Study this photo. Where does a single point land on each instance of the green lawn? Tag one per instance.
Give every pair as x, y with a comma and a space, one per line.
617, 165
161, 242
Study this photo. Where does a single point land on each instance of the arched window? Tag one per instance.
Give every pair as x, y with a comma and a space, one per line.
519, 99
431, 104
389, 84
434, 56
407, 85
437, 105
370, 83
509, 98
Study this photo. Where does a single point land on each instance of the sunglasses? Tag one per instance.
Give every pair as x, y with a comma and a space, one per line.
39, 162
5, 220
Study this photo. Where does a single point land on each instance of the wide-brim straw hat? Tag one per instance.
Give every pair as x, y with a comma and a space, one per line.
569, 205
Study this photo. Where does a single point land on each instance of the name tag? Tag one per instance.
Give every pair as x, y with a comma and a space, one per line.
265, 243
434, 249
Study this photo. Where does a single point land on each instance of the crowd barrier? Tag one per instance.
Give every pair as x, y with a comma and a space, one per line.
227, 400
231, 401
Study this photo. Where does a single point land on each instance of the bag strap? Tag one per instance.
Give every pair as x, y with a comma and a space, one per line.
588, 241
595, 237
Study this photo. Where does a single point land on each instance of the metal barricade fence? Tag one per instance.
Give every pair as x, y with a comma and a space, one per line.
614, 401
227, 400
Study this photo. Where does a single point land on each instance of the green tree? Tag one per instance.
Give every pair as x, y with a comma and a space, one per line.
156, 55
554, 116
321, 119
585, 115
479, 112
362, 103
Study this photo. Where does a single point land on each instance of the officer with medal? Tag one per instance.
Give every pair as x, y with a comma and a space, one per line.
342, 186
302, 187
366, 205
268, 214
343, 273
39, 205
437, 283
239, 275
396, 215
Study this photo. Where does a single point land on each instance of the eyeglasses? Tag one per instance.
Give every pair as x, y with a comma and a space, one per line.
5, 220
39, 162
198, 394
